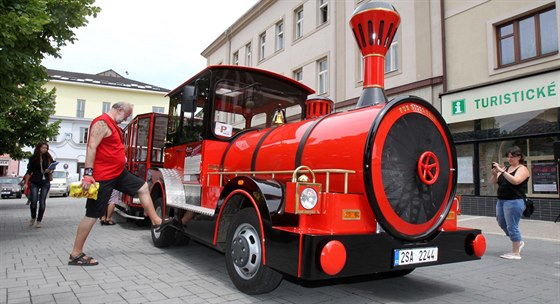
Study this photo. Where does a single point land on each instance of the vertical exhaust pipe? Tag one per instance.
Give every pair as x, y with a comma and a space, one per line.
374, 25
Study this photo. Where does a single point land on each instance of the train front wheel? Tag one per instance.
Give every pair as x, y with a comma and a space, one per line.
244, 256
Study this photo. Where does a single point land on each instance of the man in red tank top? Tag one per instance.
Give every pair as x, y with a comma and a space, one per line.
105, 163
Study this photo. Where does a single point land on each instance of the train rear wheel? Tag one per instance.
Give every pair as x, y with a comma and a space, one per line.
244, 256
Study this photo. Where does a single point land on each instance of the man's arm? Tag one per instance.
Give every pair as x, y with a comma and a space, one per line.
98, 131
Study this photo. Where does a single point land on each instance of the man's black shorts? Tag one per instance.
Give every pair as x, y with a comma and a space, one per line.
126, 182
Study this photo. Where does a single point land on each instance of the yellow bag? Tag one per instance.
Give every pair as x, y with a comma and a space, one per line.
77, 191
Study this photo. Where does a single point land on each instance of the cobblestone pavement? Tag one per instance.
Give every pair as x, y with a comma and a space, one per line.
33, 268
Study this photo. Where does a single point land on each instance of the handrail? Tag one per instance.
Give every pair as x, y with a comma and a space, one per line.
327, 172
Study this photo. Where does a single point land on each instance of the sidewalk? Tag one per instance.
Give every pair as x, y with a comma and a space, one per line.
530, 229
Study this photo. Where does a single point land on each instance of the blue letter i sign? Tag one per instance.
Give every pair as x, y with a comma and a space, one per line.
458, 107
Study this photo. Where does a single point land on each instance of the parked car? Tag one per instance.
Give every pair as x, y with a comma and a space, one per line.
59, 184
10, 187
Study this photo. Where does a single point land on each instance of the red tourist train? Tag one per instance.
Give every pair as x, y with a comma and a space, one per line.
326, 195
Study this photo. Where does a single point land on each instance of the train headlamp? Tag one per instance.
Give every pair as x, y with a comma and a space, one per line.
308, 198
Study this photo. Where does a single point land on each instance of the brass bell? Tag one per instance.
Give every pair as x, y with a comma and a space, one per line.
279, 116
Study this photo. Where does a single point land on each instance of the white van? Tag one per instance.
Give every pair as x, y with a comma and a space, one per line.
60, 184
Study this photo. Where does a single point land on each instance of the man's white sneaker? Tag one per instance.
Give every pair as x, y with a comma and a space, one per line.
521, 246
31, 222
511, 256
38, 225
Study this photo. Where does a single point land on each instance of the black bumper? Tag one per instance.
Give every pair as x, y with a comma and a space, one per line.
365, 254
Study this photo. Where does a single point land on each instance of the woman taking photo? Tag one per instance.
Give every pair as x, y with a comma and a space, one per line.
510, 205
38, 175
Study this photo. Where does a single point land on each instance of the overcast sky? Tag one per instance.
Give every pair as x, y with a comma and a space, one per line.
156, 42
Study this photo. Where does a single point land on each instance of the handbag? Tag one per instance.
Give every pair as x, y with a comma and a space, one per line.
529, 207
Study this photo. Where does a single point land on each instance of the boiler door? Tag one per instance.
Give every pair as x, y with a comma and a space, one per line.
410, 179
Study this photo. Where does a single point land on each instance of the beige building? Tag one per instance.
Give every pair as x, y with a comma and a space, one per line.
82, 97
311, 41
470, 59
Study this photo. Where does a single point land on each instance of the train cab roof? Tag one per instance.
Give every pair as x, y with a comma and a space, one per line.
237, 72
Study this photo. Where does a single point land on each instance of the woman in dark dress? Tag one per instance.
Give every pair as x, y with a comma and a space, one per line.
38, 175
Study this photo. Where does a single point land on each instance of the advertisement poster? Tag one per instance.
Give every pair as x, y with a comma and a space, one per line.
545, 176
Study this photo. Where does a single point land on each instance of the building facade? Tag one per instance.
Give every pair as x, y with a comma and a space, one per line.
311, 41
82, 97
503, 75
481, 52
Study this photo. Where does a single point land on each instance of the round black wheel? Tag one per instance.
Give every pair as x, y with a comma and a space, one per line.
244, 256
166, 237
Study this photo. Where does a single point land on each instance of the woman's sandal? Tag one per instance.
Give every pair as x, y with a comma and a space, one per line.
109, 222
81, 260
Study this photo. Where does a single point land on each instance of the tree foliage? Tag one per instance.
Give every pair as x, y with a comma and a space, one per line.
30, 30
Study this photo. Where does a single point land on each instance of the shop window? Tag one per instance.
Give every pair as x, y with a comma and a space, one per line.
528, 37
495, 151
520, 124
465, 169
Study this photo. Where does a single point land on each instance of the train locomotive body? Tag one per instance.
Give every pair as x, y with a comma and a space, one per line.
327, 195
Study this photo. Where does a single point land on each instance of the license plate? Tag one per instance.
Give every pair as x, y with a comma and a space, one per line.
415, 256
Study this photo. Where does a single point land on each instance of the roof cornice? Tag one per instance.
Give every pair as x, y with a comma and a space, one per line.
238, 25
102, 80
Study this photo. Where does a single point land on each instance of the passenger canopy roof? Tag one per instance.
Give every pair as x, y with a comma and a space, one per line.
304, 90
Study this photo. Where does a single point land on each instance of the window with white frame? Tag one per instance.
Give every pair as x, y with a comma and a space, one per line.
157, 109
299, 23
248, 55
106, 107
391, 62
322, 76
529, 37
323, 11
80, 107
83, 135
235, 60
262, 45
298, 75
280, 35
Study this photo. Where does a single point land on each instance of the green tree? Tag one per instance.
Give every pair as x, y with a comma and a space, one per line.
30, 30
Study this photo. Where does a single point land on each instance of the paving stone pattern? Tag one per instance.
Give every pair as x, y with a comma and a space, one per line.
33, 268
